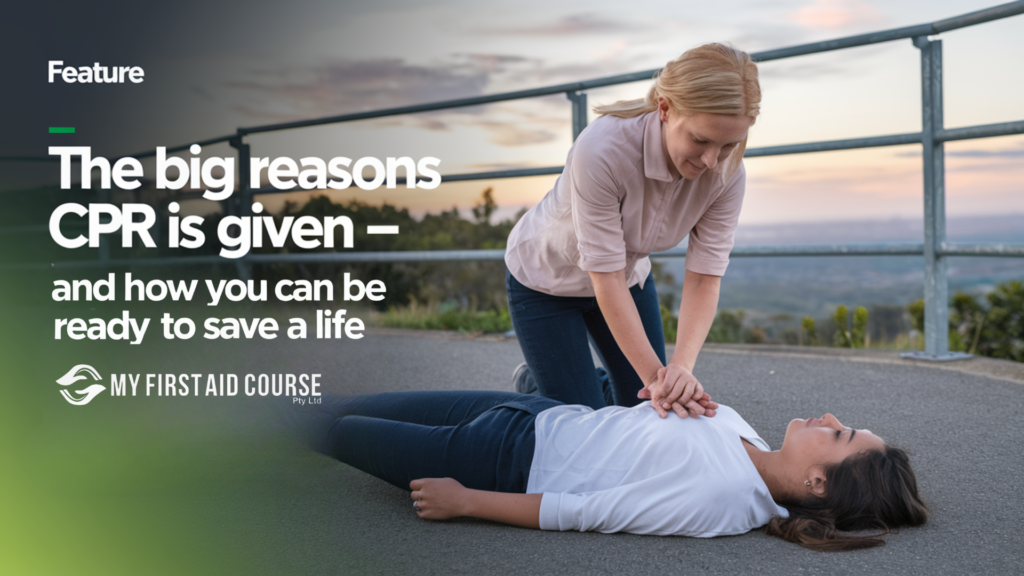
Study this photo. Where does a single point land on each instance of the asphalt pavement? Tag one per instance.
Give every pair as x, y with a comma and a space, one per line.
962, 429
291, 511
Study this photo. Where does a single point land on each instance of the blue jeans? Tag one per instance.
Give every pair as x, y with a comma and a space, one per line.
485, 440
554, 333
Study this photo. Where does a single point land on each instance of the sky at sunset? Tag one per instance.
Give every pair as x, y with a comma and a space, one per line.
330, 58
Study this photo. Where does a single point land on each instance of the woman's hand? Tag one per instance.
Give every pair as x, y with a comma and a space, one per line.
444, 498
677, 389
439, 498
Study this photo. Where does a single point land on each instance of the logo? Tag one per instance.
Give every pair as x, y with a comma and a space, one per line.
81, 372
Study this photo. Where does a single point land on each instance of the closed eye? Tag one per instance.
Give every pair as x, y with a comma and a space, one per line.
838, 432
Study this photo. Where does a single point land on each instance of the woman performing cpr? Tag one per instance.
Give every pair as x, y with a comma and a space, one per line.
534, 462
639, 179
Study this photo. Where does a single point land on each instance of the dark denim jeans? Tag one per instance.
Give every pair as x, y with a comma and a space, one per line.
555, 331
485, 440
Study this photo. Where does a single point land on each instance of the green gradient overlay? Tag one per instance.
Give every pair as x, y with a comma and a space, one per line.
123, 485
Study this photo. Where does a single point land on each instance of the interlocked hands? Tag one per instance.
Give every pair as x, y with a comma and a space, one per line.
675, 388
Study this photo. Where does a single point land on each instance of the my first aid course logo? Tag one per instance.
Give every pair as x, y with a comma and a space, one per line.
77, 374
302, 389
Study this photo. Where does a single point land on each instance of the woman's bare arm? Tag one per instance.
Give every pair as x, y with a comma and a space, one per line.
671, 387
696, 314
444, 498
623, 320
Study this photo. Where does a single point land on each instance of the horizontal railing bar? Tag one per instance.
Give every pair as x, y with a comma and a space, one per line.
946, 135
979, 17
460, 102
966, 133
173, 149
846, 42
398, 256
25, 229
517, 173
982, 131
147, 154
30, 159
823, 250
1009, 250
829, 145
956, 22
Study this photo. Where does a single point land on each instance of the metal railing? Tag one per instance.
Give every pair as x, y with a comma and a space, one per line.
932, 136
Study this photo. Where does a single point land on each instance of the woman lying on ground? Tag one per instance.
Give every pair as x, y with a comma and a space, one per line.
534, 462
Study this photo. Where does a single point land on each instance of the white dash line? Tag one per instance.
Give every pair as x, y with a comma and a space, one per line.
382, 229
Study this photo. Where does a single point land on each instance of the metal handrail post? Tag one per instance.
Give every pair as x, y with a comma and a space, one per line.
242, 200
579, 112
936, 283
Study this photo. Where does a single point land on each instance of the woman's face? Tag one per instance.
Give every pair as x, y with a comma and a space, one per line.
699, 142
825, 441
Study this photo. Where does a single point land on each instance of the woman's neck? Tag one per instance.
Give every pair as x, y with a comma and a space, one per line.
770, 466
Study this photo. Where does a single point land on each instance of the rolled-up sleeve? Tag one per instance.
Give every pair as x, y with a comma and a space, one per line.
712, 237
649, 508
596, 208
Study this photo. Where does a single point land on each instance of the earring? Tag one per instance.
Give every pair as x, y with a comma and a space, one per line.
807, 482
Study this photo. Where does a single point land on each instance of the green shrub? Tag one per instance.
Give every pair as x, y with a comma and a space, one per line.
727, 327
842, 337
859, 332
992, 327
446, 318
810, 333
669, 324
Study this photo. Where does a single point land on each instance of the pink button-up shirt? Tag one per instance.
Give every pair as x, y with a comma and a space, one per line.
615, 203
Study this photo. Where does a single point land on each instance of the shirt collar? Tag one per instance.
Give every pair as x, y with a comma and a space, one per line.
655, 159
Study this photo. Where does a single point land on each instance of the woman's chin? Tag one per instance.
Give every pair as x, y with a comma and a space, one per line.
691, 172
794, 424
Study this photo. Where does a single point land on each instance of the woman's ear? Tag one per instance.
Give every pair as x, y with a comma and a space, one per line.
815, 482
662, 108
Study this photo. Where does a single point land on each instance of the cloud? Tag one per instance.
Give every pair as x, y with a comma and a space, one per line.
505, 134
783, 70
572, 25
343, 86
835, 14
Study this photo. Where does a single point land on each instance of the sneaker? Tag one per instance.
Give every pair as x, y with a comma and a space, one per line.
522, 380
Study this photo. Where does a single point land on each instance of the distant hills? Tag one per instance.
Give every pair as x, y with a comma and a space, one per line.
813, 286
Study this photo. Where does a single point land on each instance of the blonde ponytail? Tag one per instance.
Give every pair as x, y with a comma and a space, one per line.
711, 79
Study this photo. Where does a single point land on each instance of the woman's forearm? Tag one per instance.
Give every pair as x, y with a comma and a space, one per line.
696, 314
515, 509
623, 320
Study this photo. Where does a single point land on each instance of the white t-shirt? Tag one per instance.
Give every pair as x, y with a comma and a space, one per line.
628, 470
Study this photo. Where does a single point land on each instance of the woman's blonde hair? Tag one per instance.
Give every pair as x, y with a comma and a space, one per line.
713, 79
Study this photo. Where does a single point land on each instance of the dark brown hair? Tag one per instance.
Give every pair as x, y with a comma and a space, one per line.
874, 490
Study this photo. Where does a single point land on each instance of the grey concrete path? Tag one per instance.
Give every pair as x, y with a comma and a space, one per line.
962, 429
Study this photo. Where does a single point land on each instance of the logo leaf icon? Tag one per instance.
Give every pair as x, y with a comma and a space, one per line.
75, 374
81, 372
